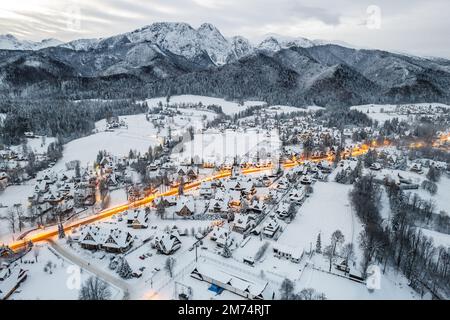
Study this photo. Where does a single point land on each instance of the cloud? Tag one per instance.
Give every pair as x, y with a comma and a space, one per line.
415, 26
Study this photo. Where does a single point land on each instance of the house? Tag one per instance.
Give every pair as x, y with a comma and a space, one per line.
306, 180
191, 174
324, 166
224, 240
105, 236
4, 178
270, 228
137, 219
283, 184
297, 195
235, 198
243, 223
5, 251
206, 189
283, 210
287, 252
375, 166
416, 167
256, 206
167, 243
222, 236
185, 206
252, 290
217, 206
219, 232
10, 279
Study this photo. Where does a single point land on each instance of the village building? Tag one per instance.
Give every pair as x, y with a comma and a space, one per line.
270, 228
287, 252
243, 223
108, 237
167, 243
137, 219
11, 276
232, 283
185, 206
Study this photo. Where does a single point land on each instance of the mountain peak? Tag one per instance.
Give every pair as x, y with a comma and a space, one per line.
208, 27
10, 42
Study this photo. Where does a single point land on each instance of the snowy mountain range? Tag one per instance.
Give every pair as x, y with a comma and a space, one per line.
176, 57
178, 38
9, 42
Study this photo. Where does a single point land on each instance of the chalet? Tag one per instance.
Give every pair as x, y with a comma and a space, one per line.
256, 206
41, 187
168, 201
53, 198
270, 228
282, 210
65, 206
217, 206
416, 167
224, 240
185, 206
106, 237
219, 232
181, 172
4, 178
29, 134
191, 174
243, 223
287, 252
375, 166
235, 198
5, 251
297, 195
137, 219
206, 190
283, 184
265, 181
167, 243
236, 284
324, 166
10, 279
306, 180
84, 195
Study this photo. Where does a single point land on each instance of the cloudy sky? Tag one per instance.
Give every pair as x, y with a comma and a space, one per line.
414, 26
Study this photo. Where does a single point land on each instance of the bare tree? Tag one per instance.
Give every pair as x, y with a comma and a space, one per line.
169, 265
328, 252
12, 219
94, 289
20, 215
348, 252
287, 289
337, 238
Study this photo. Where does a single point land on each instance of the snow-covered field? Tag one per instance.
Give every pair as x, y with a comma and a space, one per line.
338, 288
384, 112
139, 136
228, 107
57, 283
326, 211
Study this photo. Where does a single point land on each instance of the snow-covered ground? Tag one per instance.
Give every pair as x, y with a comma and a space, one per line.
327, 210
339, 288
384, 112
139, 136
38, 145
59, 282
228, 107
